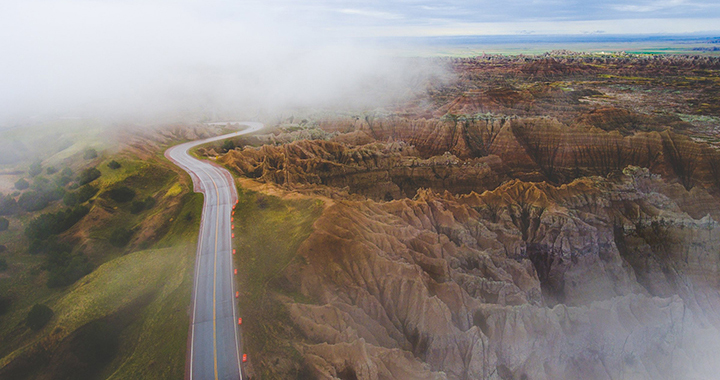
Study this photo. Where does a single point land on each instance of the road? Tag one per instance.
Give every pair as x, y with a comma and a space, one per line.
214, 342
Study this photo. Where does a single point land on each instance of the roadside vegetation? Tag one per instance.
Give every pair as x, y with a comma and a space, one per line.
267, 236
96, 257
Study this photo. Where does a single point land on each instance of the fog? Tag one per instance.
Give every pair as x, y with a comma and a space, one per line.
146, 59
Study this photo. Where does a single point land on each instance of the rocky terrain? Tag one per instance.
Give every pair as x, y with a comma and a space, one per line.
523, 222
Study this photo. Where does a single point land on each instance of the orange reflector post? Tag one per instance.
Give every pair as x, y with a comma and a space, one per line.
233, 207
233, 213
232, 227
232, 235
239, 321
233, 251
232, 219
237, 294
236, 201
244, 358
235, 271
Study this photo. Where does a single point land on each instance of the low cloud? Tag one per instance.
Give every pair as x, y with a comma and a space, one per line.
148, 59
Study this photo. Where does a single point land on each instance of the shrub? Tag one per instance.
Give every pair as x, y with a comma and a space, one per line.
149, 202
88, 175
121, 237
35, 169
4, 224
71, 269
228, 145
121, 194
3, 264
90, 154
70, 199
49, 224
51, 170
22, 184
38, 200
81, 196
8, 205
114, 165
38, 316
32, 201
138, 206
86, 192
63, 180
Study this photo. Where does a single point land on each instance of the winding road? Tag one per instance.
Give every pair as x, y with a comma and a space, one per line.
214, 346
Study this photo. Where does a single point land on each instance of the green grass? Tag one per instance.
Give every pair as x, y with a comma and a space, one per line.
268, 232
143, 291
157, 332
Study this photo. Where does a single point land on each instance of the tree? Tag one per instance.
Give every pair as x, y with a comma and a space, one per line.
114, 165
35, 168
4, 224
228, 145
38, 317
8, 205
88, 175
90, 154
22, 184
122, 194
121, 237
51, 170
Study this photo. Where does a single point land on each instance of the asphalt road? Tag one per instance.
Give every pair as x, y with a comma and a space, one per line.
214, 347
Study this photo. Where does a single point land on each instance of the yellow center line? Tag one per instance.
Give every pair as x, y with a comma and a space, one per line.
217, 222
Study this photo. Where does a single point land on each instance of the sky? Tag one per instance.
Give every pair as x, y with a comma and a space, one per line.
144, 57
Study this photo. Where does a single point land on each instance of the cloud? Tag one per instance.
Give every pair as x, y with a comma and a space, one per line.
144, 59
370, 13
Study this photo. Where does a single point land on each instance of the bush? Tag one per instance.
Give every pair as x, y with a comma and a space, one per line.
114, 165
70, 199
121, 237
81, 196
4, 224
86, 192
121, 194
22, 184
50, 224
32, 201
67, 270
8, 205
88, 175
51, 170
38, 317
138, 206
63, 180
228, 145
35, 169
3, 264
90, 154
38, 200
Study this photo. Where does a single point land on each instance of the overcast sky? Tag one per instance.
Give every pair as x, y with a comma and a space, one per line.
120, 56
467, 17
